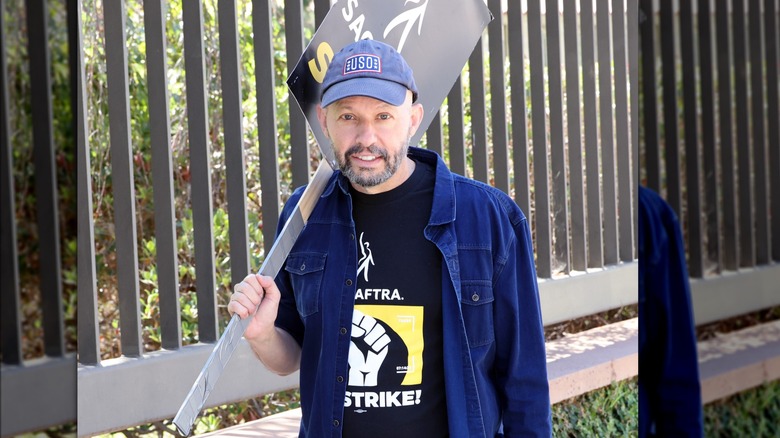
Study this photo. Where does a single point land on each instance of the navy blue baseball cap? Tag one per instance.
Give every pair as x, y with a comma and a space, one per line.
368, 68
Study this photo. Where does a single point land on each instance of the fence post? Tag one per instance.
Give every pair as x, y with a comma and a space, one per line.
692, 172
46, 200
266, 116
538, 124
498, 98
162, 174
88, 331
122, 178
9, 264
200, 164
235, 164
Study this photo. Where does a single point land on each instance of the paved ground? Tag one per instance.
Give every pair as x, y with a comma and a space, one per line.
576, 364
736, 361
729, 363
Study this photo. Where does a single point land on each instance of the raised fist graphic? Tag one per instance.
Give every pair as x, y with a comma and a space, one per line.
364, 363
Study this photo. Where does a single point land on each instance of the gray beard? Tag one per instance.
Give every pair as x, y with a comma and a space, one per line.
354, 175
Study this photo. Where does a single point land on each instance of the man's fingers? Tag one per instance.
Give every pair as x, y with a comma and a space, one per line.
270, 290
250, 289
265, 282
248, 294
252, 280
235, 306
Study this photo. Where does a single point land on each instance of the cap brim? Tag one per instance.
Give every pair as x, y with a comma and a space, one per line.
386, 91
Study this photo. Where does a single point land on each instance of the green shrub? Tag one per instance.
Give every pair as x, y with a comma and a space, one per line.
607, 412
753, 413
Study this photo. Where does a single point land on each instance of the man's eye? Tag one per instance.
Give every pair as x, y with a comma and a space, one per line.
384, 117
348, 117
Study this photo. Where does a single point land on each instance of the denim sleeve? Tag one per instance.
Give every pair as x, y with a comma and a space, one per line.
520, 365
669, 371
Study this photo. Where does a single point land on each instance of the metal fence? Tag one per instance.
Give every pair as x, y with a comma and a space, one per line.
45, 384
712, 143
546, 110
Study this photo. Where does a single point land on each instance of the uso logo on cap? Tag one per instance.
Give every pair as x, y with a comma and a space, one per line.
362, 63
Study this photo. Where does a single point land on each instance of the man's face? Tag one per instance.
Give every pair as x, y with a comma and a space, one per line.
370, 139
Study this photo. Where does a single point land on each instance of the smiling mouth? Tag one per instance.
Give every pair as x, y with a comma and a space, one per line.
367, 158
366, 155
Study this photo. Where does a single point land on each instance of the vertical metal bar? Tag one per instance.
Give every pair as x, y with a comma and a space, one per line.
457, 138
607, 137
560, 210
122, 178
266, 116
744, 198
45, 178
162, 174
73, 13
729, 250
692, 173
592, 165
293, 33
498, 98
579, 257
321, 8
232, 115
72, 10
479, 151
200, 163
760, 177
649, 111
538, 125
772, 113
709, 150
434, 135
626, 181
88, 332
632, 13
9, 265
671, 151
522, 174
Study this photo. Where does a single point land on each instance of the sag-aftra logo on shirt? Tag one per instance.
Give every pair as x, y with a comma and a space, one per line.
386, 349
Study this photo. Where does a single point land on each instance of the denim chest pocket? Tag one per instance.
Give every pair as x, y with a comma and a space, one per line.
306, 271
477, 306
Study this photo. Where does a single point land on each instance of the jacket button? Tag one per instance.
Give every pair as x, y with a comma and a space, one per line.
303, 267
336, 423
351, 237
340, 379
349, 282
475, 297
343, 331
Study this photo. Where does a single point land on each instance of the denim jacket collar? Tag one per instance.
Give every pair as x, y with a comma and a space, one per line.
443, 210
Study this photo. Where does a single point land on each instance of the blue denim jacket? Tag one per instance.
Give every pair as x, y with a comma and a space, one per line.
494, 357
669, 387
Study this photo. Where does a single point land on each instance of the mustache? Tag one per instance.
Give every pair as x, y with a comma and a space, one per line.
373, 149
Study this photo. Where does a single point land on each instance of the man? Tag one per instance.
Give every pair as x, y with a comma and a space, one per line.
409, 301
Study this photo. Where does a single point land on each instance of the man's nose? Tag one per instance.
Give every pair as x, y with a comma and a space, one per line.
366, 134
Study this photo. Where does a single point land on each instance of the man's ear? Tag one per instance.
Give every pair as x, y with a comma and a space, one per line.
417, 113
323, 119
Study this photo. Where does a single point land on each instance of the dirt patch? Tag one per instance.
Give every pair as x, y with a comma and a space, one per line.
578, 325
708, 331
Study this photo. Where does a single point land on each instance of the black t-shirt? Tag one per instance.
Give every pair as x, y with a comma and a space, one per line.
396, 374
